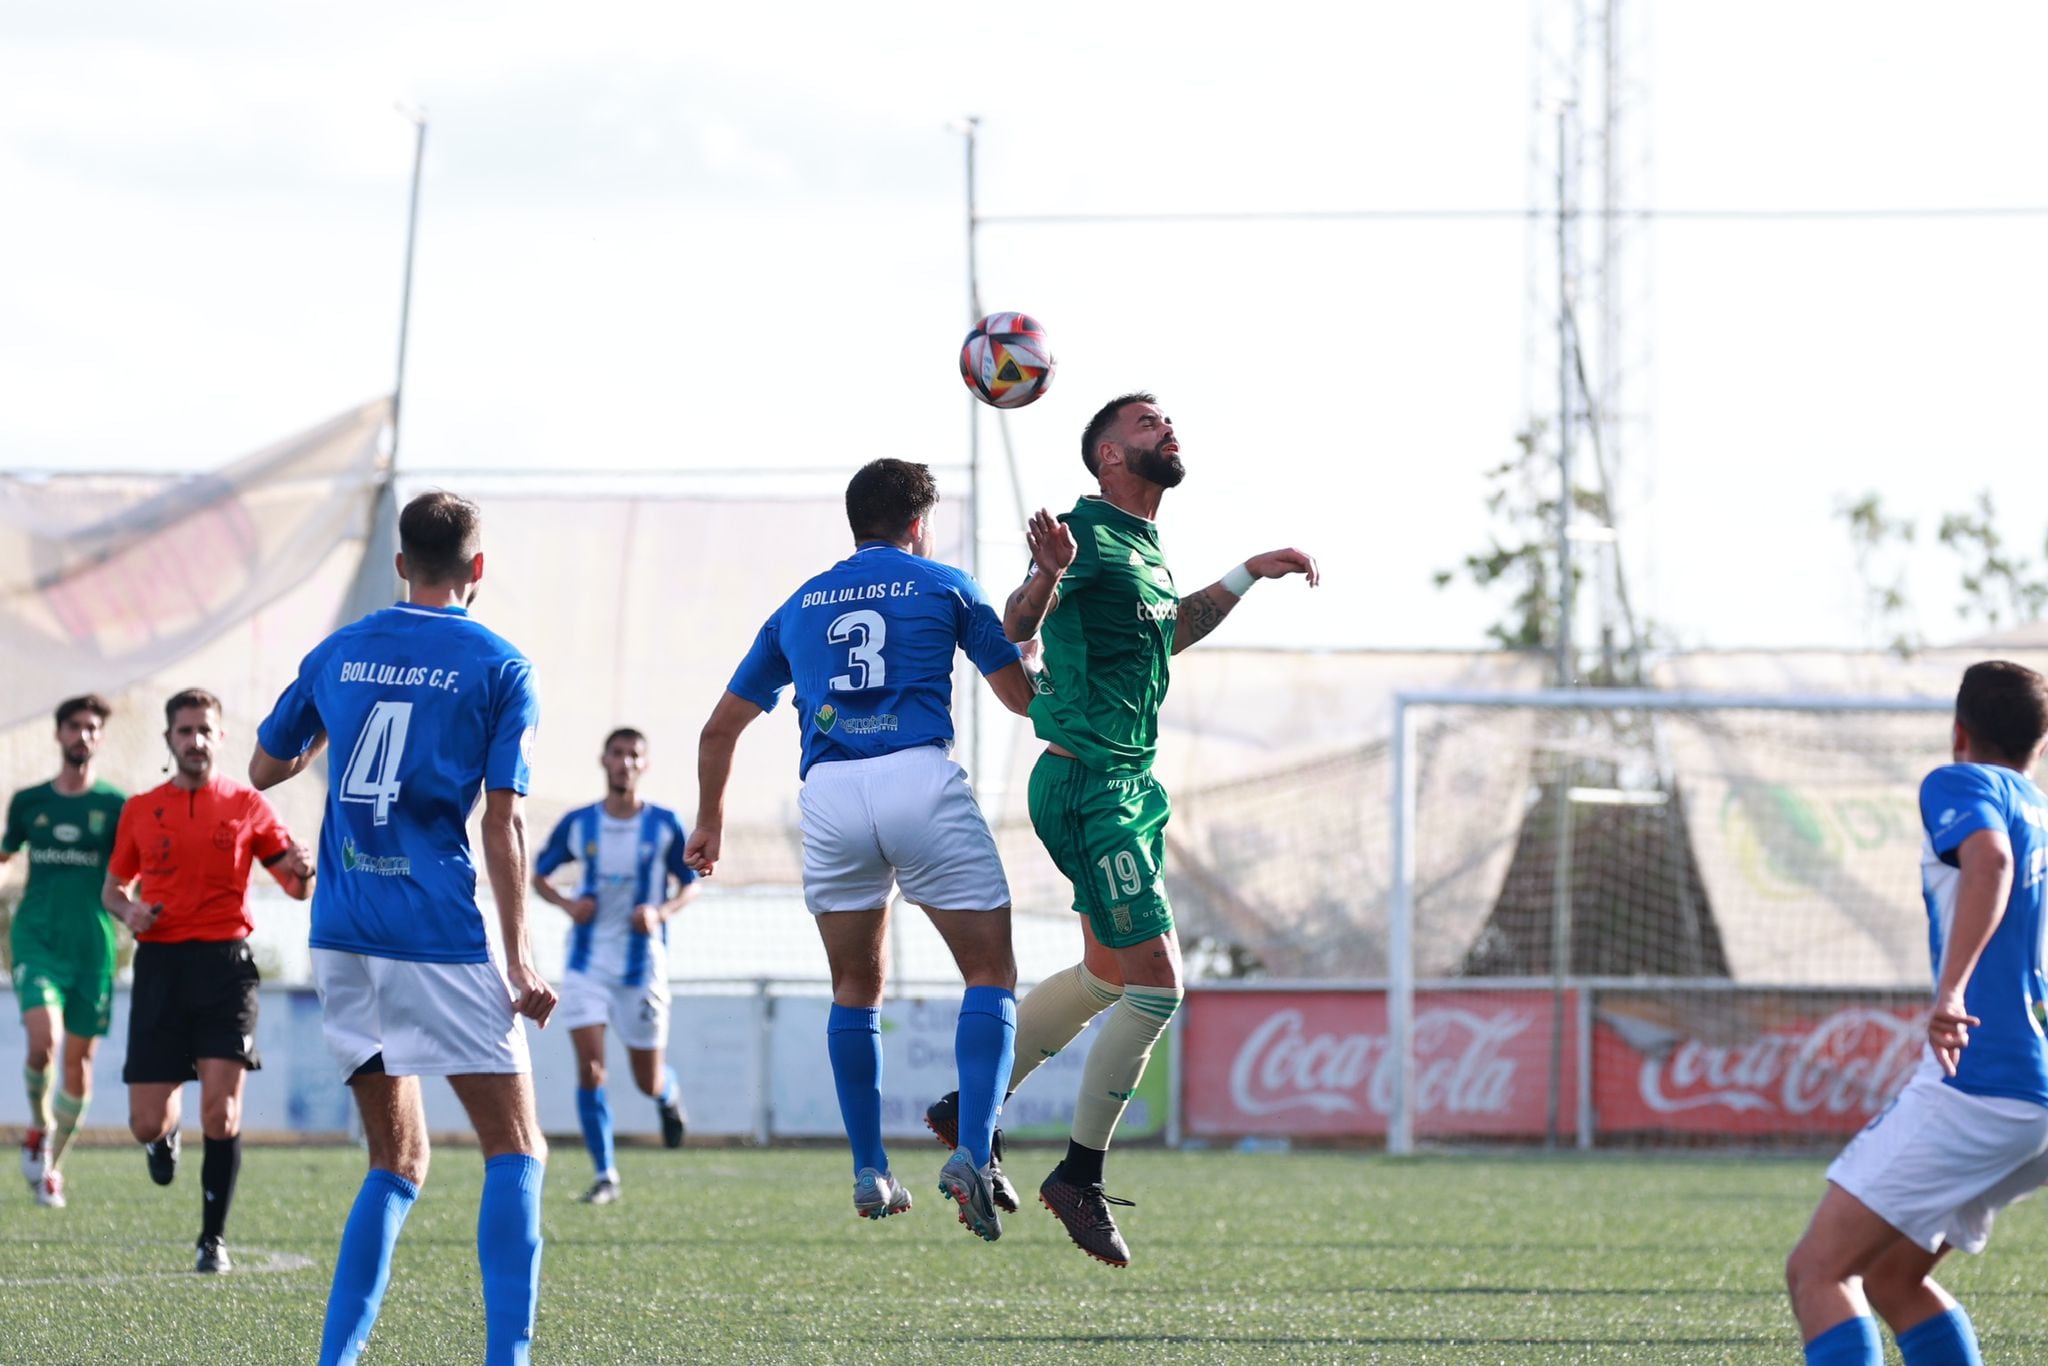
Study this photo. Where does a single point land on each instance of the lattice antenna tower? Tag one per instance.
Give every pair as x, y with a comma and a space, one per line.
1587, 370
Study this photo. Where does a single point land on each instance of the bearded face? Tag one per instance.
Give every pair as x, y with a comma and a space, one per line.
1159, 463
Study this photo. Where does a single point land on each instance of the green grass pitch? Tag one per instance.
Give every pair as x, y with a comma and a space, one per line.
732, 1255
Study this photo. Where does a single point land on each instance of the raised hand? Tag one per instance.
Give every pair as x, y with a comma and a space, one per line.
1278, 564
1051, 541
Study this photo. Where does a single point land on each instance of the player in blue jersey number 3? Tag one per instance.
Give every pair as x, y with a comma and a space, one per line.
1969, 1133
423, 708
868, 645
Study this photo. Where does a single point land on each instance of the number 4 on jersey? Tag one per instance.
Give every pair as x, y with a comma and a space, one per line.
372, 772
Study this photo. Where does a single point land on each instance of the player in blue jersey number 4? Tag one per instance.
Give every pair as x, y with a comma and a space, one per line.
423, 708
1969, 1133
633, 880
868, 646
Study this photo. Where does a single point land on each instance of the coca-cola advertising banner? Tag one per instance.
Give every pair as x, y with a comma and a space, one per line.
1315, 1064
1746, 1063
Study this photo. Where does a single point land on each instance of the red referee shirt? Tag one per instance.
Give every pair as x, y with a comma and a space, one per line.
193, 848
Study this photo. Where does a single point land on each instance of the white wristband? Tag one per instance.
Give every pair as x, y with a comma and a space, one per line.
1239, 581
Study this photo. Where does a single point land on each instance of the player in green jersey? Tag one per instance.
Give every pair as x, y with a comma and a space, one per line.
1111, 621
62, 944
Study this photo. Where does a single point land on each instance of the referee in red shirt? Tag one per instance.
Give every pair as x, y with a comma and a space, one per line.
192, 1013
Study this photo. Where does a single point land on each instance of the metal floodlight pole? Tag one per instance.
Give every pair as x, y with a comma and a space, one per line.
418, 119
969, 127
1565, 667
1401, 935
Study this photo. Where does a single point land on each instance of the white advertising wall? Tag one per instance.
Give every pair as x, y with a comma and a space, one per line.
751, 1062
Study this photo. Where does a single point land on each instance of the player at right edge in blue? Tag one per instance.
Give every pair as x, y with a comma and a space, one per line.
1968, 1135
869, 646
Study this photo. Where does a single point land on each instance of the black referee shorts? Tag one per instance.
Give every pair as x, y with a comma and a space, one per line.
190, 1000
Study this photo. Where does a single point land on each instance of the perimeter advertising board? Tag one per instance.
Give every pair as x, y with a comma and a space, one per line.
1316, 1064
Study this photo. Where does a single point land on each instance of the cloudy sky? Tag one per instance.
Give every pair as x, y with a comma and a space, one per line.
658, 237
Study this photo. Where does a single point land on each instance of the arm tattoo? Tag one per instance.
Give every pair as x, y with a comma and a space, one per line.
1021, 616
1200, 613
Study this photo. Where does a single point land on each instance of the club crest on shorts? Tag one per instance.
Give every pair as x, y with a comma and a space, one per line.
825, 717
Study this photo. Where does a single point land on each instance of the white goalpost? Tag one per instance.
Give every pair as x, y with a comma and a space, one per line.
1717, 893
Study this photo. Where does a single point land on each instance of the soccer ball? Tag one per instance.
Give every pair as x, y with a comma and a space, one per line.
1007, 360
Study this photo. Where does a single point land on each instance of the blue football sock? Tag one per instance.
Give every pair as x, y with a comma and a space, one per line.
984, 1045
363, 1266
853, 1038
508, 1250
1944, 1340
1852, 1342
667, 1092
595, 1110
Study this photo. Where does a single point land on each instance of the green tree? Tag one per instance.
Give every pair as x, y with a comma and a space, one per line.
1520, 559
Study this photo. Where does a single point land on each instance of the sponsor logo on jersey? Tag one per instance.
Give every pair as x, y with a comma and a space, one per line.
825, 717
47, 857
354, 860
67, 832
42, 819
1137, 560
1161, 577
870, 725
1167, 609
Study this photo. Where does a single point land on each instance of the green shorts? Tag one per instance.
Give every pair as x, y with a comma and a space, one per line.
1108, 835
82, 993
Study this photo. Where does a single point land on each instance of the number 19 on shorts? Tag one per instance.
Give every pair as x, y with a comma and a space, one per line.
372, 773
1121, 874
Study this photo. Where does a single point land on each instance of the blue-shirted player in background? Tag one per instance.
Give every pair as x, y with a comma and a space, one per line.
869, 646
422, 707
633, 880
1969, 1133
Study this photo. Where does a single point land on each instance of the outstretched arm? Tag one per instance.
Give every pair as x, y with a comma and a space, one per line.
715, 745
1202, 612
1052, 551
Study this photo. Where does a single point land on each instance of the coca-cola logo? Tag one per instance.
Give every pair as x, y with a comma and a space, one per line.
1852, 1062
1459, 1067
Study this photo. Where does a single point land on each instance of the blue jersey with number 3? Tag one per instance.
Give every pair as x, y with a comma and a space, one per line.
869, 646
2008, 1051
422, 707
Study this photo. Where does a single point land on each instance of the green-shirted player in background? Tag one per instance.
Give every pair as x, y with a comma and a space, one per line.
62, 942
1111, 621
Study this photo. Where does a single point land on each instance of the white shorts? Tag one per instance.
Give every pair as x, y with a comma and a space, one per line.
638, 1014
906, 819
1939, 1163
427, 1019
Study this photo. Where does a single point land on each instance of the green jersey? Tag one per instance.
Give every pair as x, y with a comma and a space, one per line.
69, 840
1109, 642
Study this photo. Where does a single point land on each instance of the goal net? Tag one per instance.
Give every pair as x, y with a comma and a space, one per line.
1629, 917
